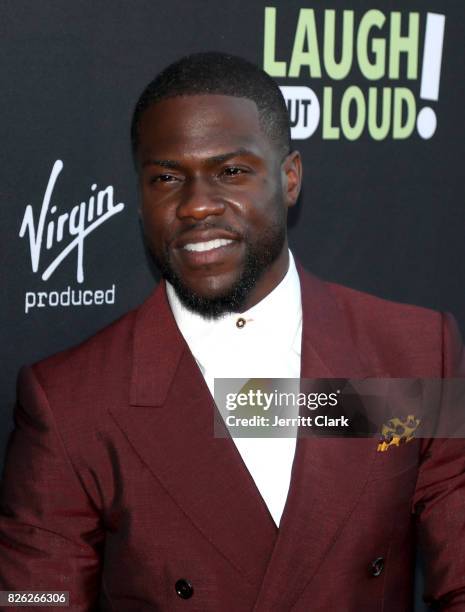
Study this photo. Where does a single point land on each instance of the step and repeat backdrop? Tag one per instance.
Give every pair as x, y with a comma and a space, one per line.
375, 92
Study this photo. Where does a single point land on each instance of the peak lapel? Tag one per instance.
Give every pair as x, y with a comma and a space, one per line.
170, 425
328, 475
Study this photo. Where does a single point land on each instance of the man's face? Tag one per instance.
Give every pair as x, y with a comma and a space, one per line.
215, 192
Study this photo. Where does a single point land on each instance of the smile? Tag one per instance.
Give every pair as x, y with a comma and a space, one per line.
201, 247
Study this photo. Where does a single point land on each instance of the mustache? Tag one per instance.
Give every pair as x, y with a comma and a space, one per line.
206, 225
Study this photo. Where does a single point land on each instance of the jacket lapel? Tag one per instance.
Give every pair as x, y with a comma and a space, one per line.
203, 474
328, 475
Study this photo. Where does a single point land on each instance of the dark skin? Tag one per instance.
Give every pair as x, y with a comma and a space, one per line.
208, 172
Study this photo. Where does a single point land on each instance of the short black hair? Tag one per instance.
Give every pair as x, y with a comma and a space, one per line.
219, 73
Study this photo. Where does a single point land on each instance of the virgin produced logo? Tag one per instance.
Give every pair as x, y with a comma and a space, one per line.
63, 234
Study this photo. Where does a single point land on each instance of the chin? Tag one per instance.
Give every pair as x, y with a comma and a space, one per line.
211, 302
213, 287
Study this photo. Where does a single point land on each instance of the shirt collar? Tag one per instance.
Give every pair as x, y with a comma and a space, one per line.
280, 312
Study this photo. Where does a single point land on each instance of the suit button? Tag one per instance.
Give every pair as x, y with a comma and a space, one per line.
377, 566
184, 588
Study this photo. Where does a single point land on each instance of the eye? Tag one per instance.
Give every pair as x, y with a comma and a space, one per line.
233, 171
163, 178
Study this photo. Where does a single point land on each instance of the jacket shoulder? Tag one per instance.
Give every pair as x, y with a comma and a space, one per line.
91, 354
104, 357
377, 310
402, 338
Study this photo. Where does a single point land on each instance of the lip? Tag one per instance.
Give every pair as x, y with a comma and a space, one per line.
204, 236
217, 256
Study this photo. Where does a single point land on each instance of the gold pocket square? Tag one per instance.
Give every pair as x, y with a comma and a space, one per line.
397, 431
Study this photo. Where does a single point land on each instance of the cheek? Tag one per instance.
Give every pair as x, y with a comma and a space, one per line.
269, 200
158, 221
266, 213
257, 201
154, 228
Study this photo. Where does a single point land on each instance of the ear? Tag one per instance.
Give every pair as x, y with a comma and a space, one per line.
291, 169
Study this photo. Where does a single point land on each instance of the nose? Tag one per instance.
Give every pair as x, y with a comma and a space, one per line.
199, 200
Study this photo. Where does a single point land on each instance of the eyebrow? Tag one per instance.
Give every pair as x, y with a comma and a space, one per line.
215, 159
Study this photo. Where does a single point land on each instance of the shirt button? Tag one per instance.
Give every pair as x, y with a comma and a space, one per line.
240, 323
184, 588
377, 566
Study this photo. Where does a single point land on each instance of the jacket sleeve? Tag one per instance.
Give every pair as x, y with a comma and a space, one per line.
439, 502
51, 537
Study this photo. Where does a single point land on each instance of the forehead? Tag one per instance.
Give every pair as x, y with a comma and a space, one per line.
201, 125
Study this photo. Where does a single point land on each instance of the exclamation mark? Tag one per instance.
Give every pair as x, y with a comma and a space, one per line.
431, 72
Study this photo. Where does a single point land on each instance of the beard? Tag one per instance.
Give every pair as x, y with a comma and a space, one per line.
259, 255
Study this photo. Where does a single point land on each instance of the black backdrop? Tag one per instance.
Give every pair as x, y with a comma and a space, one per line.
382, 215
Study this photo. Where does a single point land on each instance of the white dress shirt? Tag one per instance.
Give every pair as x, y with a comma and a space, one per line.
267, 346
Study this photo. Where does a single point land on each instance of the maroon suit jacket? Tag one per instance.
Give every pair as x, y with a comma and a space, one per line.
115, 488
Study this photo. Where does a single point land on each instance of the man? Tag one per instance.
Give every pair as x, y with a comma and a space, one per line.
115, 488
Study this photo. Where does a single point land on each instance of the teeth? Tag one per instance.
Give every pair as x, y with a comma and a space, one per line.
200, 247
